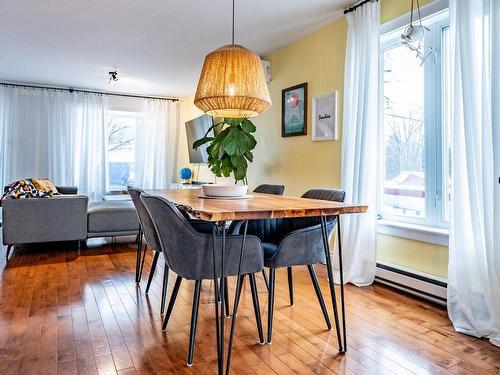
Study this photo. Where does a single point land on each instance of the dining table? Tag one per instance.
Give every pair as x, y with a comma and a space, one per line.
254, 206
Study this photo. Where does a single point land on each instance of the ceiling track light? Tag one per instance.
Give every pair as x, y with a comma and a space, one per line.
113, 77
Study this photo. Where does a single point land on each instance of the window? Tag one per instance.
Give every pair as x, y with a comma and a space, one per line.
415, 136
121, 132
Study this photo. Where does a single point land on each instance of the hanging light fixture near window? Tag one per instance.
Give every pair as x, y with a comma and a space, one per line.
413, 36
232, 83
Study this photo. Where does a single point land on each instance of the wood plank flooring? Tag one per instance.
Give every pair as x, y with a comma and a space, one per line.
64, 311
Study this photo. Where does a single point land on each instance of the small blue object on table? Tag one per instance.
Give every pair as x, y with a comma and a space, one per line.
185, 174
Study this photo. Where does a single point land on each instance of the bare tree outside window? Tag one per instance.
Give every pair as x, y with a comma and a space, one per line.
121, 136
404, 150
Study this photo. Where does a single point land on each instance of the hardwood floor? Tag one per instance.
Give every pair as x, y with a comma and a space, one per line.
64, 311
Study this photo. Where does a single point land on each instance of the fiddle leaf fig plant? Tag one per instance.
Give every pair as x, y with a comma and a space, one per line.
230, 150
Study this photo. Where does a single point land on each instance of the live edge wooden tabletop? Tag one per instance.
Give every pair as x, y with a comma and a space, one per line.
259, 206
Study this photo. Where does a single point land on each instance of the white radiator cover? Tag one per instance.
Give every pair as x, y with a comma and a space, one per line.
430, 287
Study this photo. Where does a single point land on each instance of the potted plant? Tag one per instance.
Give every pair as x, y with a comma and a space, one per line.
230, 150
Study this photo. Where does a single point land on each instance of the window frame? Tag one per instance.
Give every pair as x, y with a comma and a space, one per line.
433, 130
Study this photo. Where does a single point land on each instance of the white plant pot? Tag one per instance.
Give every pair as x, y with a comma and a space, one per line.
218, 190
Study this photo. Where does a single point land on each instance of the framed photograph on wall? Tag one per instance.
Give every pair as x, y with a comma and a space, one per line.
294, 111
324, 127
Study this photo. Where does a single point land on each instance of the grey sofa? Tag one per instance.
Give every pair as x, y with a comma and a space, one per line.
59, 218
109, 219
65, 217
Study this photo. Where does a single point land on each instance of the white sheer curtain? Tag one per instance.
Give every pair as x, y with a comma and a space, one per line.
359, 142
474, 261
54, 134
157, 144
90, 167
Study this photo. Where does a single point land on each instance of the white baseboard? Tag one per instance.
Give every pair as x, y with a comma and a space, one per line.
426, 286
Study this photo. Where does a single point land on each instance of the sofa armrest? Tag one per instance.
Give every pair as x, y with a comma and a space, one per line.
59, 218
65, 190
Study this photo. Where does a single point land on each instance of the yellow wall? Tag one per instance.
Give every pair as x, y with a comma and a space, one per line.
301, 164
391, 9
297, 162
421, 256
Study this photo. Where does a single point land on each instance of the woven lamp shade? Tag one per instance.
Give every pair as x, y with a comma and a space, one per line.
232, 84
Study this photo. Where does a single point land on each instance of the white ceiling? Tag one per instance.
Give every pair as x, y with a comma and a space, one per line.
157, 45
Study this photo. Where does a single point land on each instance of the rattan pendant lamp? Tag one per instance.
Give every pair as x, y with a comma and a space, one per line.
232, 83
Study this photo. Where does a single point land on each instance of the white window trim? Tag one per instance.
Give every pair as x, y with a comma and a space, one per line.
423, 233
411, 229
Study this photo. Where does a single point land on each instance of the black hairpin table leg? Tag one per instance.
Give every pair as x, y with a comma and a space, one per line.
331, 282
239, 284
218, 324
341, 270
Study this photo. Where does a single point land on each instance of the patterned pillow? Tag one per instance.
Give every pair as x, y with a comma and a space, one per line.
44, 185
22, 189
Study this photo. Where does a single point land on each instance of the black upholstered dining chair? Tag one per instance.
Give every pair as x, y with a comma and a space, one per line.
192, 256
151, 239
148, 231
298, 241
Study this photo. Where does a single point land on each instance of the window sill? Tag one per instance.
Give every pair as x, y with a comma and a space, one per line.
438, 236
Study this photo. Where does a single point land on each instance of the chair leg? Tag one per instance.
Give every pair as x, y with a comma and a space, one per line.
226, 297
265, 279
270, 305
9, 247
152, 270
172, 301
194, 320
143, 259
317, 289
138, 257
164, 290
290, 284
256, 307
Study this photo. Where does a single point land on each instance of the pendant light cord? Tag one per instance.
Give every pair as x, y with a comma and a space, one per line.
411, 13
232, 33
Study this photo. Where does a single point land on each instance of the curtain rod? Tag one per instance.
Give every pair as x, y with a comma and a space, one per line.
354, 7
86, 91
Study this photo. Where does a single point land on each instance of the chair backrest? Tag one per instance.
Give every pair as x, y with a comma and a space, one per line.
183, 247
325, 194
322, 194
289, 225
265, 229
144, 219
189, 253
270, 189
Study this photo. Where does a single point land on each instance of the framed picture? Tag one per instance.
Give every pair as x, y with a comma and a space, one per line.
294, 111
324, 127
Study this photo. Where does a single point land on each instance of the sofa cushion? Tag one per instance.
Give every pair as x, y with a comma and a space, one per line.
114, 216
